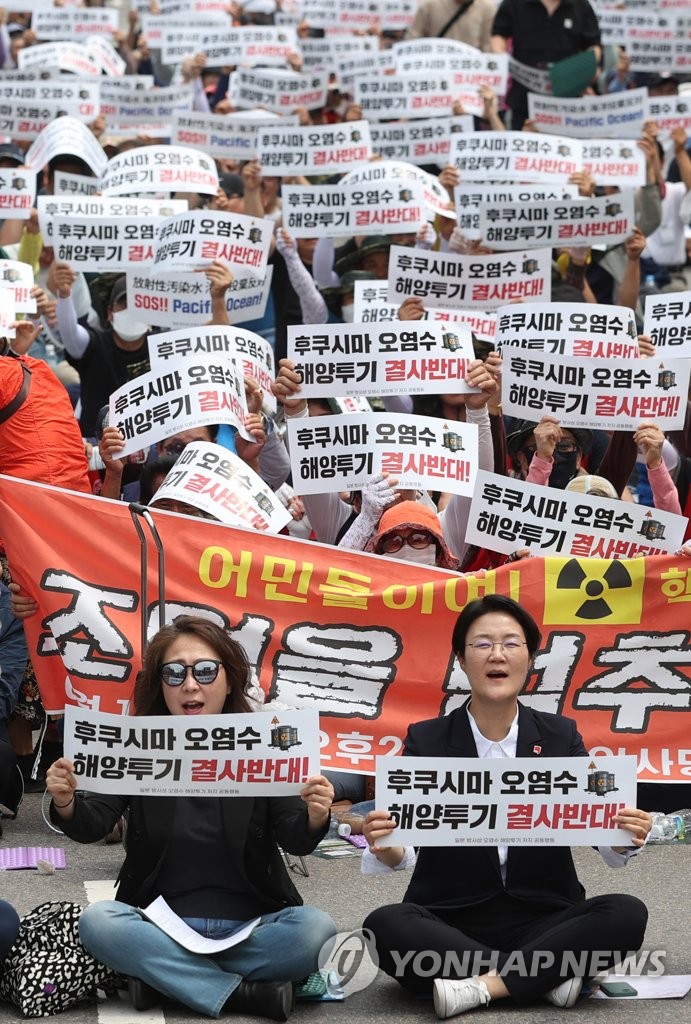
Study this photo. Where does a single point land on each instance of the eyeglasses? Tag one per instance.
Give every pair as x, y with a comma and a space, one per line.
204, 671
509, 647
394, 541
563, 448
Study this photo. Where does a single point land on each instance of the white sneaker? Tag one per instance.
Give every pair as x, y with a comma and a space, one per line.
454, 997
566, 994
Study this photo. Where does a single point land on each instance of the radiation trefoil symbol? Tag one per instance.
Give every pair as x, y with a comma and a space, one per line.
593, 590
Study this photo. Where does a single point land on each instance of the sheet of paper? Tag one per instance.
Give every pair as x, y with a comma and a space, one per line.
160, 914
665, 986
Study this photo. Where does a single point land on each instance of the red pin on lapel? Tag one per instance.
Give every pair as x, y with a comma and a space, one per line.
537, 750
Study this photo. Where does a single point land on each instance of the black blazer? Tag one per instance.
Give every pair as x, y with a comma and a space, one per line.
252, 828
454, 877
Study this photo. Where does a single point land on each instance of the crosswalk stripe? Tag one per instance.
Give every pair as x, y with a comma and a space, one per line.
112, 1011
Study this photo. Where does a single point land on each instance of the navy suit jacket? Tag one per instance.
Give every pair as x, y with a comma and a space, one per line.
454, 877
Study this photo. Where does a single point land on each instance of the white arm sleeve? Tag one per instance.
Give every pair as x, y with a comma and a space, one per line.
323, 264
613, 859
73, 337
369, 864
314, 309
454, 518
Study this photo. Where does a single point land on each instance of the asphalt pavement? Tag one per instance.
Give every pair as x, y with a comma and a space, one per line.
660, 876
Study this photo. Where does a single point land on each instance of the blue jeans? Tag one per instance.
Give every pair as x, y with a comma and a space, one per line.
284, 946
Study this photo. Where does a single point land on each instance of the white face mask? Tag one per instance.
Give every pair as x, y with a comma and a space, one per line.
347, 313
127, 327
423, 556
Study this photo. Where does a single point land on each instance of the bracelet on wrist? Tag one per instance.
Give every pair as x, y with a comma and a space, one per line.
61, 807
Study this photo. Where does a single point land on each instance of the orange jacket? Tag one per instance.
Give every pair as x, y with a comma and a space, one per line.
41, 441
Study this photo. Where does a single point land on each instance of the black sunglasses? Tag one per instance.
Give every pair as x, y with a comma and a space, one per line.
174, 673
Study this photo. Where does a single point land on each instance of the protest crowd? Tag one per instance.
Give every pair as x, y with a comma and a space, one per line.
393, 300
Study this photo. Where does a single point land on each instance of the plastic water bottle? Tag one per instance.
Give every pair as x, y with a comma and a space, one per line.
51, 355
671, 828
338, 829
649, 286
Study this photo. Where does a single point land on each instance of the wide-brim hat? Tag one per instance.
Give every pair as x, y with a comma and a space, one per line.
371, 244
524, 428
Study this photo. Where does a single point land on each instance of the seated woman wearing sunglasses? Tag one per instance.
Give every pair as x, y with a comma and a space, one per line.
215, 861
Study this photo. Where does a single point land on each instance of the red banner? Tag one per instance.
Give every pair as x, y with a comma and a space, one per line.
364, 639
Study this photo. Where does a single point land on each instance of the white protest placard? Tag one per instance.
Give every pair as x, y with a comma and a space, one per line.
389, 97
670, 112
353, 15
336, 453
445, 279
668, 322
412, 357
534, 79
221, 135
25, 121
397, 15
279, 90
189, 393
183, 300
619, 162
335, 211
371, 306
392, 171
506, 515
102, 244
268, 753
618, 114
65, 184
183, 41
160, 169
221, 484
112, 64
482, 324
74, 22
79, 98
75, 208
7, 312
607, 220
466, 74
657, 40
532, 156
430, 48
469, 199
364, 65
595, 393
115, 89
18, 278
162, 30
74, 57
330, 51
516, 801
253, 354
322, 149
570, 329
418, 142
157, 105
250, 45
17, 192
67, 135
194, 239
515, 156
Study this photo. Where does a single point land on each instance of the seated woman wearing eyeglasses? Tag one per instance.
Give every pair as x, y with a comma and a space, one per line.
515, 917
215, 861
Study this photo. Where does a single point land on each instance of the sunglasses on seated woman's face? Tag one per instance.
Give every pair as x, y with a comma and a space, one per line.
174, 673
391, 542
